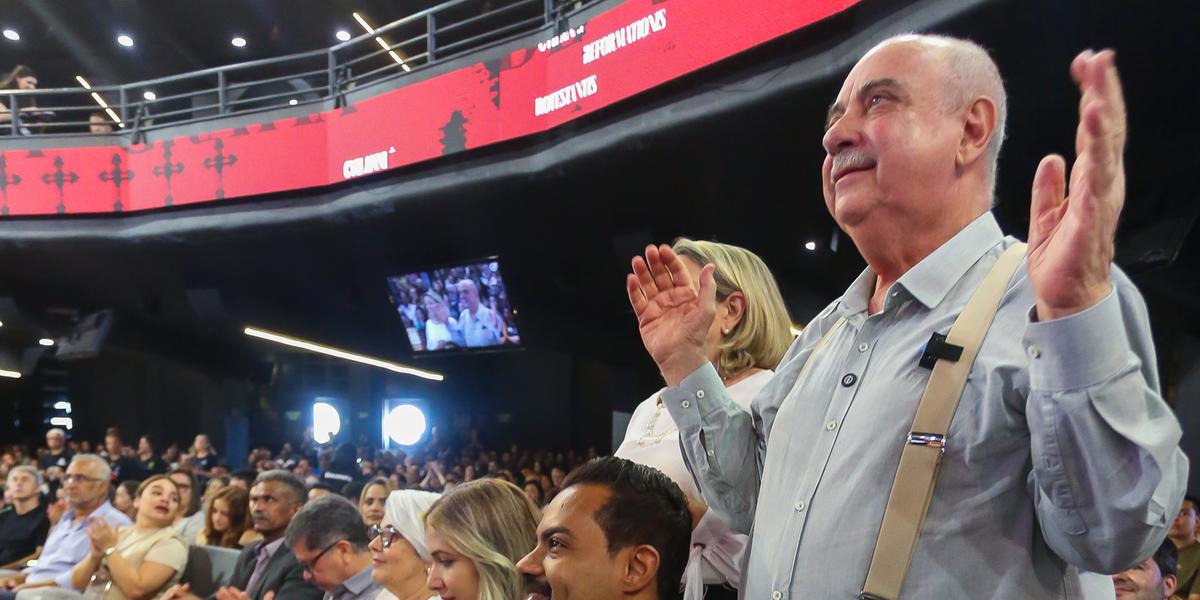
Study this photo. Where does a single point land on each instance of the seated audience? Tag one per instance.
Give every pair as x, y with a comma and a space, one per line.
618, 530
533, 489
98, 122
398, 547
227, 523
149, 463
243, 479
189, 521
23, 524
266, 566
214, 485
1183, 534
1152, 579
372, 499
57, 453
476, 535
319, 489
86, 491
139, 561
330, 543
123, 498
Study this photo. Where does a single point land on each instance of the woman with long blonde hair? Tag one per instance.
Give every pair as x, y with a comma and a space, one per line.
476, 534
749, 336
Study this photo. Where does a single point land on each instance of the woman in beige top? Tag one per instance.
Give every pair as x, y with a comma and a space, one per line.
139, 562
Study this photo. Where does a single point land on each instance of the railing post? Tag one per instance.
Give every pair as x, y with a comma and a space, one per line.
14, 122
221, 92
124, 100
430, 38
332, 74
548, 9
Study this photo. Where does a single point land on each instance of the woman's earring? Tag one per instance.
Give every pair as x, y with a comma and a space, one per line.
725, 331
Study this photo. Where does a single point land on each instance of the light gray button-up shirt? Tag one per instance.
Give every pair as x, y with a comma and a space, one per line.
1062, 450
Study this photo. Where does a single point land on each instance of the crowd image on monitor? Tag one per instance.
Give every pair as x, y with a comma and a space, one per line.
455, 308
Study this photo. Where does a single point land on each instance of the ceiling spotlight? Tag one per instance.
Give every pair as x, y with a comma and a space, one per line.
810, 246
293, 102
342, 35
16, 37
10, 374
149, 95
46, 342
238, 42
125, 40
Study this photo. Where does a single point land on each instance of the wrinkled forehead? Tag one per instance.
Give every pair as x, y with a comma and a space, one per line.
913, 61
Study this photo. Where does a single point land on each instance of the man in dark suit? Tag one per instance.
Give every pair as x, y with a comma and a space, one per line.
266, 569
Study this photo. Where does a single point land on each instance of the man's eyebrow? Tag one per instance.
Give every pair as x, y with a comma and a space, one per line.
551, 531
837, 108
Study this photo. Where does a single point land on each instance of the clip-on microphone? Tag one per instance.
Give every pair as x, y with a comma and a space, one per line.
937, 349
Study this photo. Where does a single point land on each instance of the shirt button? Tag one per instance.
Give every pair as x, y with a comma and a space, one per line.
776, 595
831, 425
700, 394
686, 404
1035, 352
863, 347
712, 452
849, 379
800, 506
895, 293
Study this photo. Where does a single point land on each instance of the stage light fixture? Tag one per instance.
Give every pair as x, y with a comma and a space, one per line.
326, 422
810, 245
46, 342
149, 95
336, 353
9, 374
404, 424
125, 40
382, 44
12, 35
293, 102
343, 35
238, 42
65, 422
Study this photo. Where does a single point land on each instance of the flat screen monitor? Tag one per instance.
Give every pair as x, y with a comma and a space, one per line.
458, 308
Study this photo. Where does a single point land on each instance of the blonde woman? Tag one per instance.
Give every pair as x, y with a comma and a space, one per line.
372, 499
141, 561
399, 553
476, 535
748, 338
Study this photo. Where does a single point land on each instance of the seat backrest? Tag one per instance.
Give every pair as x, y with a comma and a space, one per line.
208, 568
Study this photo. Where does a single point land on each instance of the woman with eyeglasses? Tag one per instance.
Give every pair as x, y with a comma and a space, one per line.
476, 534
400, 556
140, 561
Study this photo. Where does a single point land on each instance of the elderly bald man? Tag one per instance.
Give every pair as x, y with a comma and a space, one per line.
1062, 455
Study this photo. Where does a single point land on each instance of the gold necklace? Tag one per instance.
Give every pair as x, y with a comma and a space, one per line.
650, 437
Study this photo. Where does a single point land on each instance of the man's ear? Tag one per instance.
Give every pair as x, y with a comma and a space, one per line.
1169, 585
979, 125
641, 568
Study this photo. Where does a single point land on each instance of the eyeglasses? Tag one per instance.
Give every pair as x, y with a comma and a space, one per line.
386, 535
309, 565
80, 478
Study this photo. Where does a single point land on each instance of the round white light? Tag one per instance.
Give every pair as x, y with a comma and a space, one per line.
343, 35
12, 35
125, 40
293, 102
46, 342
404, 424
149, 95
1, 323
238, 42
326, 422
810, 246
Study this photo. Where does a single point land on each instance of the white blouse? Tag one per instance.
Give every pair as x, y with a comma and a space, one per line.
652, 438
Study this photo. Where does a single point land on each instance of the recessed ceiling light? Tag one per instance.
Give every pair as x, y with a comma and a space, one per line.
810, 246
149, 95
46, 342
12, 35
125, 40
238, 42
293, 102
343, 35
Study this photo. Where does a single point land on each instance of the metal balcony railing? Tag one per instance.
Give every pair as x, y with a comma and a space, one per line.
390, 52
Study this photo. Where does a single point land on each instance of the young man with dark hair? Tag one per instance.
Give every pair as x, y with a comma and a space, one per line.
1152, 579
617, 531
1183, 534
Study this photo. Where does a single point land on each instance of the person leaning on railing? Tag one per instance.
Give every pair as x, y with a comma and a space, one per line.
21, 78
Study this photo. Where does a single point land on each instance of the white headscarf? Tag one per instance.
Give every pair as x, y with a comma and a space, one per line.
406, 509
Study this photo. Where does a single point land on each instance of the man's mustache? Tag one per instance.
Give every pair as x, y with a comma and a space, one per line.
536, 585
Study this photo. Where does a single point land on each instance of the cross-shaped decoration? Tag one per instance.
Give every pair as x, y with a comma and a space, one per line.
60, 178
116, 175
219, 161
5, 181
168, 169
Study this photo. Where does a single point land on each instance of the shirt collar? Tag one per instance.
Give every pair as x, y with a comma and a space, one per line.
101, 511
359, 582
269, 549
930, 280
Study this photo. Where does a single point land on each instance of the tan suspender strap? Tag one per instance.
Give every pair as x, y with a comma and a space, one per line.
916, 476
